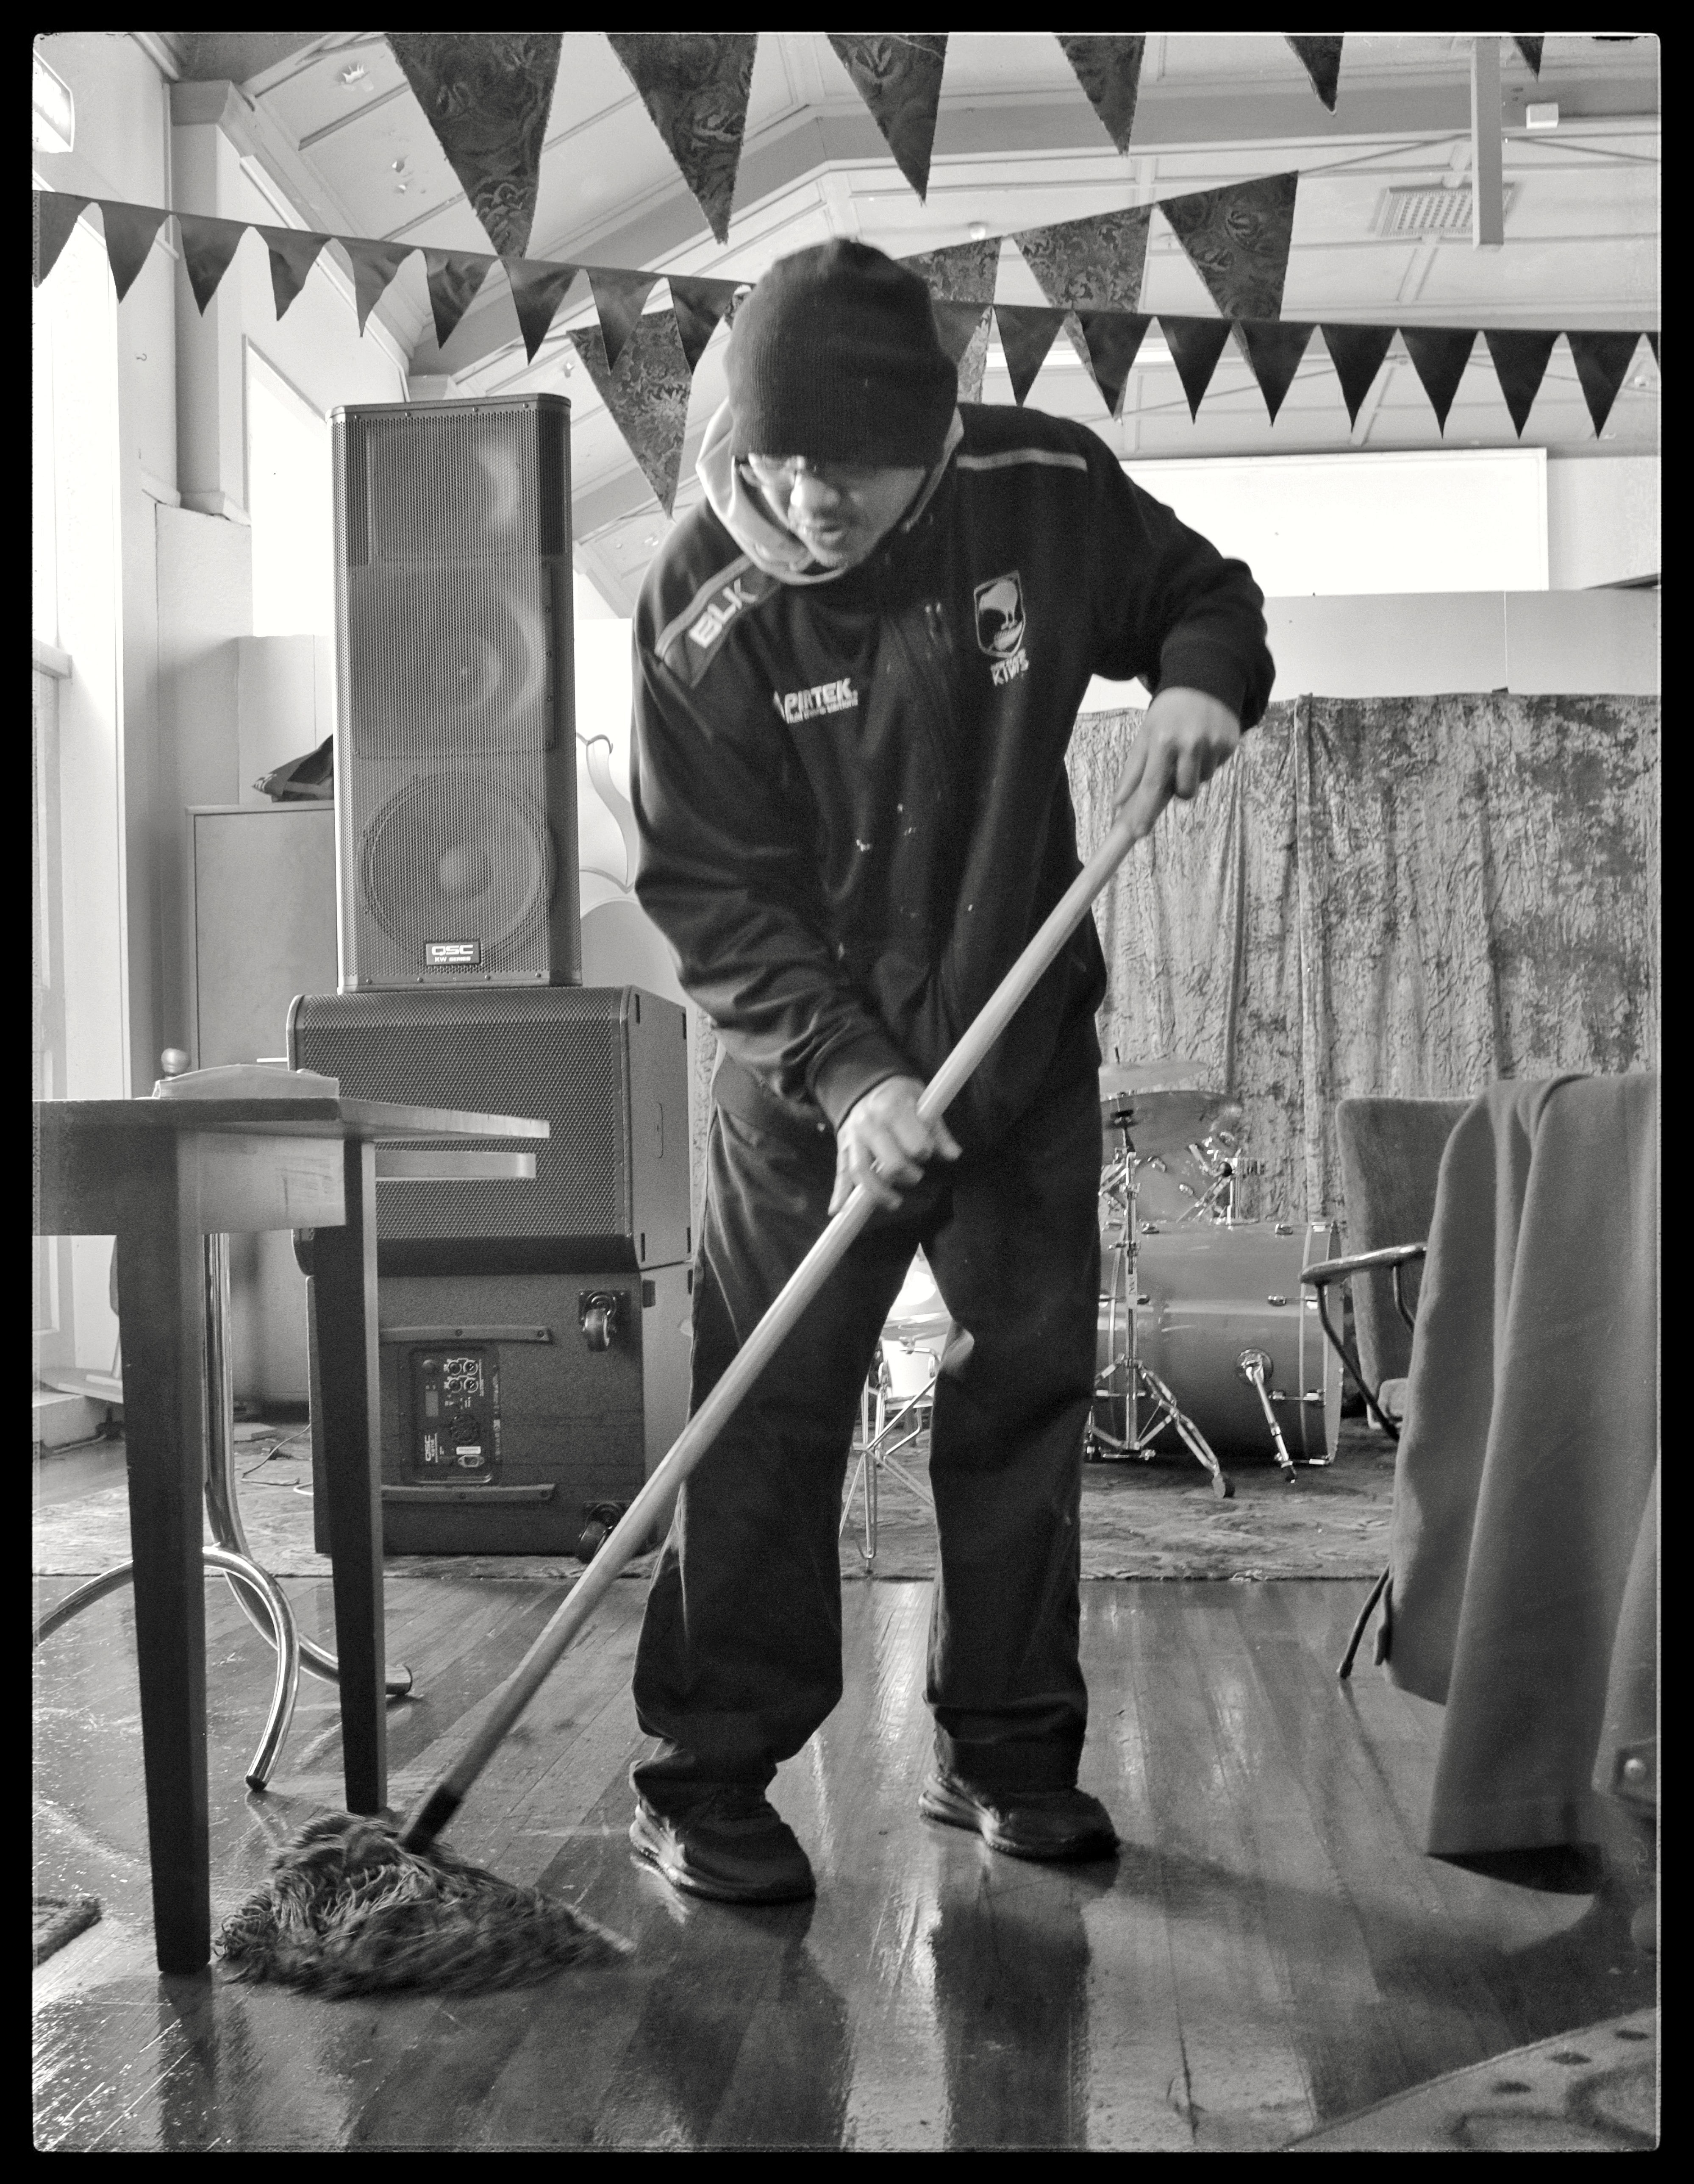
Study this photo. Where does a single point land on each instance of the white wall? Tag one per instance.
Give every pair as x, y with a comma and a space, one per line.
1602, 520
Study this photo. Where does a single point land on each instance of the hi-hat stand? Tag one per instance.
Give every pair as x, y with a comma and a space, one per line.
1149, 1407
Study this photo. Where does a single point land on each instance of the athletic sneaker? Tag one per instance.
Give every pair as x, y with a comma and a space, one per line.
1040, 1824
728, 1844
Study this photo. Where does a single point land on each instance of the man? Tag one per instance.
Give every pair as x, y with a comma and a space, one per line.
858, 666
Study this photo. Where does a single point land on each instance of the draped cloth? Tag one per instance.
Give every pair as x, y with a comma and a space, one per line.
1410, 896
1525, 1501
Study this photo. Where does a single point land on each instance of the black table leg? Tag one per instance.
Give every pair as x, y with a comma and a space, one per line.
344, 1308
161, 1282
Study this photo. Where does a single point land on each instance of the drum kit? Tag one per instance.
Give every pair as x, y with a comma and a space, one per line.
1208, 1339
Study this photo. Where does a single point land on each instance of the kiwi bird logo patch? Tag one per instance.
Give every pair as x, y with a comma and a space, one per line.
1000, 625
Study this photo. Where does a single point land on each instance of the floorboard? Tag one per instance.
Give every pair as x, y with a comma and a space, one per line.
1271, 1951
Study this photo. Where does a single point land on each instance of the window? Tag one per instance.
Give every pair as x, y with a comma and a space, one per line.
290, 504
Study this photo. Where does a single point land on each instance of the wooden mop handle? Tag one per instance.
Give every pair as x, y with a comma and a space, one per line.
438, 1806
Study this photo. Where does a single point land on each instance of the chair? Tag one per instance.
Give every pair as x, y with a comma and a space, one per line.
1391, 1153
895, 1403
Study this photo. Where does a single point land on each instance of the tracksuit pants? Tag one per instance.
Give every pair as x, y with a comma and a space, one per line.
739, 1658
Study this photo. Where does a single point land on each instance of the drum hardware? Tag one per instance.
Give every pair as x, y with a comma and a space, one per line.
1255, 1368
1124, 1373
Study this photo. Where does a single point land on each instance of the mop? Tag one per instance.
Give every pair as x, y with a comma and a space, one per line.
353, 1907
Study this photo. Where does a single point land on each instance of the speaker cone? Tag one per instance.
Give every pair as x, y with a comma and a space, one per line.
458, 857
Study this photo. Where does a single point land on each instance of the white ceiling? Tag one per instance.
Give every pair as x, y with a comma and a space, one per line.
1016, 145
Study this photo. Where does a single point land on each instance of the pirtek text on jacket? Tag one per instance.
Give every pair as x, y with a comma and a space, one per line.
852, 795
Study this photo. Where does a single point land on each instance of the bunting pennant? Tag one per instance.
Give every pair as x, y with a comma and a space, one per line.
1601, 362
961, 279
898, 76
1652, 343
1520, 360
647, 394
455, 278
1439, 356
1274, 349
56, 213
130, 232
373, 266
699, 306
208, 247
538, 288
293, 252
618, 299
487, 95
1090, 264
1357, 353
694, 85
1321, 58
1027, 332
1196, 345
1237, 240
1110, 340
1531, 49
1108, 67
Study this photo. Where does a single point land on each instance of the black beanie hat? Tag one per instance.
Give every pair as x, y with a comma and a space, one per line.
834, 355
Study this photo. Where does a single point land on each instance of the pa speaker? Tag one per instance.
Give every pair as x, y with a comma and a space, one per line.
605, 1066
455, 747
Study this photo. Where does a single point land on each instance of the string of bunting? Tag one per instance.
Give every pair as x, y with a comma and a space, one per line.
1091, 270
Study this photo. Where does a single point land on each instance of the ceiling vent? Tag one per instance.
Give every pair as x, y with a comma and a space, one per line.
1429, 211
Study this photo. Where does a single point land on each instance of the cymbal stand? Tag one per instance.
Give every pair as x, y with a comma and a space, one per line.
1149, 1406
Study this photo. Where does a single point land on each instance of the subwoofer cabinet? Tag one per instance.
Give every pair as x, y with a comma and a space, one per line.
513, 1405
534, 1332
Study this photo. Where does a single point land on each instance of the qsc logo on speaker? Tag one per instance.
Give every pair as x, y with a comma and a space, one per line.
452, 954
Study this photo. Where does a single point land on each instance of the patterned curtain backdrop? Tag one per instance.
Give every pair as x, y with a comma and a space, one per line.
1412, 896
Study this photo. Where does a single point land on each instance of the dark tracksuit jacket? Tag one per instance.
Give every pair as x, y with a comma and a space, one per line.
853, 814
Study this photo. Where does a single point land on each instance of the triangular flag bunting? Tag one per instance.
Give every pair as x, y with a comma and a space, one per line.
1108, 65
1196, 345
1110, 340
1520, 358
961, 283
646, 394
130, 232
1092, 265
1601, 362
898, 76
964, 331
1321, 58
699, 306
1273, 348
208, 247
538, 288
1357, 353
57, 212
455, 277
1530, 48
619, 298
695, 85
487, 95
1439, 356
373, 266
963, 273
1652, 343
1237, 238
1027, 332
293, 253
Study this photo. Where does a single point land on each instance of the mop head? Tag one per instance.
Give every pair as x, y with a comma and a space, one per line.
347, 1909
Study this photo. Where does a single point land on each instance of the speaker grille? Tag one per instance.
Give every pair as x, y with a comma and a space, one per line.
561, 1054
453, 858
456, 794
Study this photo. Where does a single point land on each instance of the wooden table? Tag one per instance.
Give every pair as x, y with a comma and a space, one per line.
158, 1175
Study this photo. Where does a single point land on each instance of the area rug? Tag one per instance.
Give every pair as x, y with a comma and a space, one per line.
56, 1920
1156, 1520
1591, 2092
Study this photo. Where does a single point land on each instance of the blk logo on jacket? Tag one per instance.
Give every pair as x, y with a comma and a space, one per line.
1000, 627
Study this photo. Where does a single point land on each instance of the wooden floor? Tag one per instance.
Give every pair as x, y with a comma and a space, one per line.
1271, 1951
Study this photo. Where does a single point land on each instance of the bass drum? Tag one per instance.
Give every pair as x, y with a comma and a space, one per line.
1212, 1293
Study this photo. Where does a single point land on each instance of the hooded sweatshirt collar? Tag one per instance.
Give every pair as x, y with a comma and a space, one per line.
742, 511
